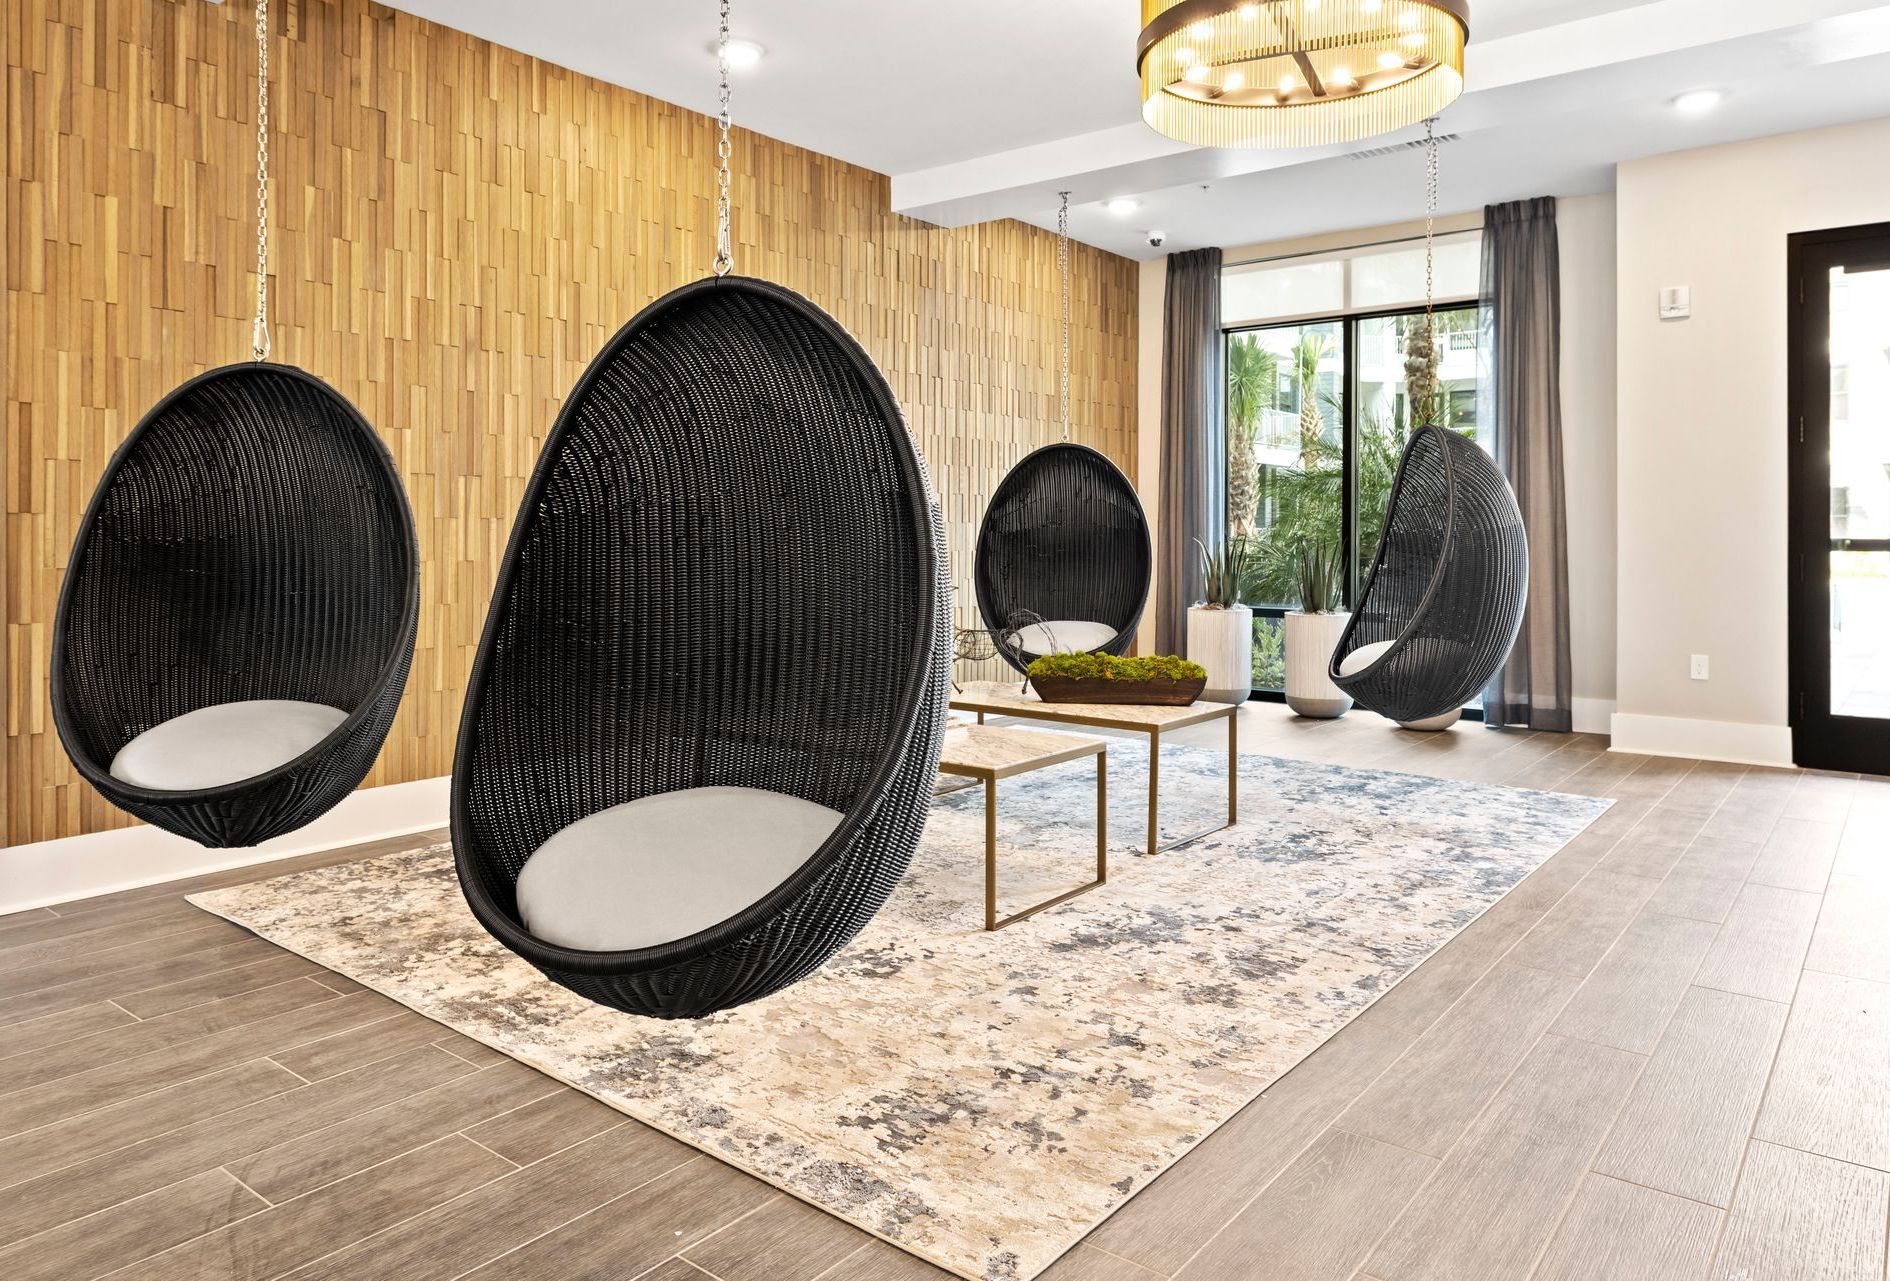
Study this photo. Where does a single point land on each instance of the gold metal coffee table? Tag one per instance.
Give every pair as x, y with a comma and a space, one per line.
1003, 698
987, 753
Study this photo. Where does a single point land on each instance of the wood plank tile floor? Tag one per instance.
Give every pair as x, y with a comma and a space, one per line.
1665, 1056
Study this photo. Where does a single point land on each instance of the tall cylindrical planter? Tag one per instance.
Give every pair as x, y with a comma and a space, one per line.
1310, 640
1221, 640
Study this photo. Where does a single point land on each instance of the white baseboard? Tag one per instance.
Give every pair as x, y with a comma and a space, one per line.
1591, 715
1734, 741
74, 867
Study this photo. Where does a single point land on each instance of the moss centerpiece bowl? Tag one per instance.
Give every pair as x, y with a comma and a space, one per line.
1162, 680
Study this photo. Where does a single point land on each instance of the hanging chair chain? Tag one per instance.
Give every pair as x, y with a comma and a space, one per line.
1063, 273
1430, 221
259, 335
724, 249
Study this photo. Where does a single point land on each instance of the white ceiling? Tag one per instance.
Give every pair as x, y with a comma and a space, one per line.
1494, 19
893, 85
986, 108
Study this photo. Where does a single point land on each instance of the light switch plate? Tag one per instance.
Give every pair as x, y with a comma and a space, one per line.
1676, 302
1699, 668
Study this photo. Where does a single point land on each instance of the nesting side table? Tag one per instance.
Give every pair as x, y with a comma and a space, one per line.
987, 753
992, 698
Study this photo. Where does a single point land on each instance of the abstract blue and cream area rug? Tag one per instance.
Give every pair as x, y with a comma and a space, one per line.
984, 1100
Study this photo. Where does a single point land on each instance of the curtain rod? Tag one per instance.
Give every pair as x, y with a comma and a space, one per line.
1344, 249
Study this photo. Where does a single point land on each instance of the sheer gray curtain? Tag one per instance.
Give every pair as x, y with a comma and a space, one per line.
1193, 493
1522, 412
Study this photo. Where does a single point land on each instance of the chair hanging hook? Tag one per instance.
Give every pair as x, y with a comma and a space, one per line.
724, 247
259, 334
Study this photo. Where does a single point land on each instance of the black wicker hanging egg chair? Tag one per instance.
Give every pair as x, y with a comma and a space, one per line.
1444, 600
243, 591
238, 613
1063, 556
702, 727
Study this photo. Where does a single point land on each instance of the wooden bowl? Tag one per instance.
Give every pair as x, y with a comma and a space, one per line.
1098, 689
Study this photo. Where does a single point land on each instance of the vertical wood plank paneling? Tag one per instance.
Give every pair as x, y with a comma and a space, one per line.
10, 22
458, 229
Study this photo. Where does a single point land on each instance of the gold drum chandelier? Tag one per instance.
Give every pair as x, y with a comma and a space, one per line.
1297, 73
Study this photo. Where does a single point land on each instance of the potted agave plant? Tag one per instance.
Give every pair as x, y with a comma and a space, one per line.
1220, 628
1312, 633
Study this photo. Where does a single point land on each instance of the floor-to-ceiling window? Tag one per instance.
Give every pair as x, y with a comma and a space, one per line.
1326, 373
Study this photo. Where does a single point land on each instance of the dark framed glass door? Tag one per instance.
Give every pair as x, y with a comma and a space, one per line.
1839, 476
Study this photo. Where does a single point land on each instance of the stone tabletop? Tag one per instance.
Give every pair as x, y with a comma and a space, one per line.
998, 750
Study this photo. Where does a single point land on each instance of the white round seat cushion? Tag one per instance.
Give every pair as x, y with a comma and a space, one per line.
1364, 656
667, 866
223, 743
1065, 636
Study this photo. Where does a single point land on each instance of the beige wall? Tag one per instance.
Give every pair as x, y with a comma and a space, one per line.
1585, 225
1702, 411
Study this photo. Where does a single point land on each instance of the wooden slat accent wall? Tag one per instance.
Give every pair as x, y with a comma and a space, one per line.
458, 228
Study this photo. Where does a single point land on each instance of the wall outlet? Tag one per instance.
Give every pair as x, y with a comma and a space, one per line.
1676, 302
1698, 669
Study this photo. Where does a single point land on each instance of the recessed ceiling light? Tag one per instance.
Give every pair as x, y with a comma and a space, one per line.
1698, 102
742, 54
1122, 206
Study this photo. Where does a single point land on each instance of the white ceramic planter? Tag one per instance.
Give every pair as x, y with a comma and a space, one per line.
1310, 640
1221, 640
